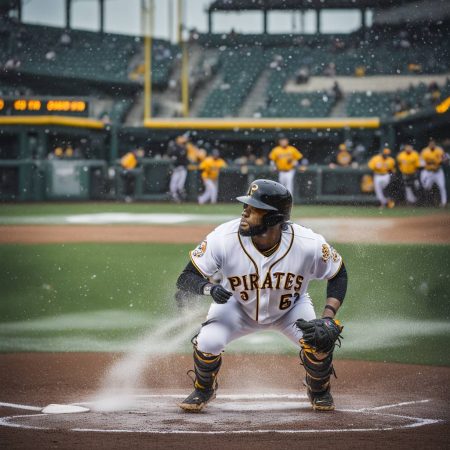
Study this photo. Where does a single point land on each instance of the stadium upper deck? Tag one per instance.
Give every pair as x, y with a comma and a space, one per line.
234, 75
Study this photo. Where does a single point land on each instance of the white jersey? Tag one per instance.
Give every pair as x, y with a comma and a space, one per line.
266, 287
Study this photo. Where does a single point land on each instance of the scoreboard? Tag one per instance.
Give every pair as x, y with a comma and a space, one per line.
43, 106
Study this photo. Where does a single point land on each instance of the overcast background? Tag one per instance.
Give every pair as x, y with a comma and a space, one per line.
123, 16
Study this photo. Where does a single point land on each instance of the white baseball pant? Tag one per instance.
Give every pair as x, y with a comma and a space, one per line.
211, 191
286, 178
410, 197
380, 183
177, 181
229, 321
428, 178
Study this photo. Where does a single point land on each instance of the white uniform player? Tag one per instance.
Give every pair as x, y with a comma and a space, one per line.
265, 263
268, 292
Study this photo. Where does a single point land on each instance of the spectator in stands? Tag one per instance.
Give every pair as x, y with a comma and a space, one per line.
337, 92
285, 158
330, 70
360, 71
399, 105
130, 171
408, 161
302, 75
433, 92
194, 34
178, 153
383, 166
65, 39
277, 62
211, 167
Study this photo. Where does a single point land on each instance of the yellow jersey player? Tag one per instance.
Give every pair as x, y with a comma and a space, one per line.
433, 157
285, 158
130, 171
210, 168
408, 162
343, 157
383, 166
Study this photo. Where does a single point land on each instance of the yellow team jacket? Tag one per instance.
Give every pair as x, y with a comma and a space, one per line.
210, 167
408, 163
128, 161
285, 158
344, 158
381, 166
432, 158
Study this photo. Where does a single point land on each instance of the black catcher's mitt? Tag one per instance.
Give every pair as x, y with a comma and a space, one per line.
320, 334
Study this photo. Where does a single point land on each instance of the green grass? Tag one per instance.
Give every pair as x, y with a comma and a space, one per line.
39, 209
103, 296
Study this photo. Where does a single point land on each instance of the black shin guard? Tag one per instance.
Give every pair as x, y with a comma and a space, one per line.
318, 371
206, 369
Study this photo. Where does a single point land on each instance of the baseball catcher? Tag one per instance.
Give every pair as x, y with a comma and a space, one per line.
265, 263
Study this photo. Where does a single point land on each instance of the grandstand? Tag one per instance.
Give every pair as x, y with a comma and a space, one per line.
379, 84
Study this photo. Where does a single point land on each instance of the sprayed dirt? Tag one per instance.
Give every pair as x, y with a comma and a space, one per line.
427, 229
378, 405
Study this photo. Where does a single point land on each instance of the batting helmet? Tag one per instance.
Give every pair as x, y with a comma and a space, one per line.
272, 196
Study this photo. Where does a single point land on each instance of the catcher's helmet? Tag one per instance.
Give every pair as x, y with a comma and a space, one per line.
272, 196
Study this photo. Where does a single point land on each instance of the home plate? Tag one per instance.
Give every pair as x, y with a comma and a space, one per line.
54, 408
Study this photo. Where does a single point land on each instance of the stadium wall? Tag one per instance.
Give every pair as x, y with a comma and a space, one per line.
26, 173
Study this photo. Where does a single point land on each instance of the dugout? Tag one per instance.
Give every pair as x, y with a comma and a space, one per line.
29, 173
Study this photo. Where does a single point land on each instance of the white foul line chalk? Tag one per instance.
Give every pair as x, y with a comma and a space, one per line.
18, 406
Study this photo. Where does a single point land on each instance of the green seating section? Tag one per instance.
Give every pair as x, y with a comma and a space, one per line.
385, 104
282, 104
380, 51
240, 70
89, 56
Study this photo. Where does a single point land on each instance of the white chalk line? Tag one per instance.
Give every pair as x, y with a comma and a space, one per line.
417, 421
18, 406
394, 405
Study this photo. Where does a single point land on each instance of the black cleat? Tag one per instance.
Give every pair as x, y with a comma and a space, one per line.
321, 401
198, 400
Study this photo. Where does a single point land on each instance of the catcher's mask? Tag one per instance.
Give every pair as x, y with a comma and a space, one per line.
271, 196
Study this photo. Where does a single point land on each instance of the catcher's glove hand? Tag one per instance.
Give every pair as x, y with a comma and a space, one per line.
320, 334
220, 294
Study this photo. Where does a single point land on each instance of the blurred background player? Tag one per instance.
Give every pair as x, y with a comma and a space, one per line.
178, 153
343, 157
210, 168
433, 157
383, 166
130, 171
285, 158
408, 162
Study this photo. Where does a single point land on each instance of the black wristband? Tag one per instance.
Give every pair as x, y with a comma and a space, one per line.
331, 309
191, 280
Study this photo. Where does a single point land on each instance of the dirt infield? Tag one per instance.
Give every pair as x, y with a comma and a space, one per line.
261, 404
426, 229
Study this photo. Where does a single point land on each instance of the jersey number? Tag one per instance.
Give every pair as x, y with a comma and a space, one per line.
286, 302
